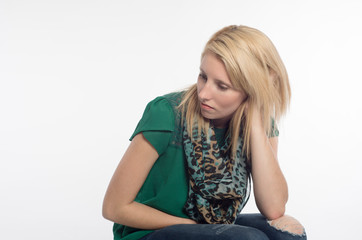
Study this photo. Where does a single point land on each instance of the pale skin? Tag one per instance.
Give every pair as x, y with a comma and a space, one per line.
270, 187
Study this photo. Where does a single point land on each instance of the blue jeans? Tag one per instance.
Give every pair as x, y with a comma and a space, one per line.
246, 227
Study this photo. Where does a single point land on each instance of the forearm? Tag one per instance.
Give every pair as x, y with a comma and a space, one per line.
270, 187
141, 216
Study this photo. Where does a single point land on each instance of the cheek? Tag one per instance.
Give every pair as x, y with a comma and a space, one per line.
199, 85
234, 106
231, 103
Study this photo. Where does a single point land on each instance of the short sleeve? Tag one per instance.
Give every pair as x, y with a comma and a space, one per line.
157, 124
274, 132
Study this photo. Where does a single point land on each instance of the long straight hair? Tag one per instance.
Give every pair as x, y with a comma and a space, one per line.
253, 66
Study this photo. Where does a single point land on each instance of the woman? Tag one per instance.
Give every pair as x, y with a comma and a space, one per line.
186, 172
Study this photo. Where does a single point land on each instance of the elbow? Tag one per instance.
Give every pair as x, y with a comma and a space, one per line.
274, 213
114, 212
106, 211
110, 210
272, 210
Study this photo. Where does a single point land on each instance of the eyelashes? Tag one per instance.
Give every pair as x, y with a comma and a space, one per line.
219, 84
222, 88
202, 76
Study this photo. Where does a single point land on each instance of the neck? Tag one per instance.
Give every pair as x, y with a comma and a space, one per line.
220, 123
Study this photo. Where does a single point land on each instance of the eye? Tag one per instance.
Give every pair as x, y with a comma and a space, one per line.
203, 76
222, 87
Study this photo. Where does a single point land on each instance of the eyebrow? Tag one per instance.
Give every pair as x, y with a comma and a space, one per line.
217, 80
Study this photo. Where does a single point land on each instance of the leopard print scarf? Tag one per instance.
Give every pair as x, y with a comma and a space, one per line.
218, 184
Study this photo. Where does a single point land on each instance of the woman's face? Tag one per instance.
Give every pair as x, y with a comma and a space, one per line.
217, 97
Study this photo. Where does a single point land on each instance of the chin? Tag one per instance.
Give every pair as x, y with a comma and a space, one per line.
207, 116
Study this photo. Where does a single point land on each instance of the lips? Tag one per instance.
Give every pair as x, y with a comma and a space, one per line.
205, 106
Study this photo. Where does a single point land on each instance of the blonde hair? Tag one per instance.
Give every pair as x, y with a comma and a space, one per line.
253, 66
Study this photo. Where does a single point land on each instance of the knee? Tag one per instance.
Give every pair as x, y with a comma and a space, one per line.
288, 224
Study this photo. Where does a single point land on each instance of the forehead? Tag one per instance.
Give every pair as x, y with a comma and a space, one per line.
214, 68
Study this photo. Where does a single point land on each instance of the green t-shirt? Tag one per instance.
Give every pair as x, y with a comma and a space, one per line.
166, 186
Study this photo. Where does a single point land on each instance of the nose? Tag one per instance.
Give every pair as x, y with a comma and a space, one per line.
204, 91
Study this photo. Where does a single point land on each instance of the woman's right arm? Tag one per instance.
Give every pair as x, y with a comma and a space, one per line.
119, 205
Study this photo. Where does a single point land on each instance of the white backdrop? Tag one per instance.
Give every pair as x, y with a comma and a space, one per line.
76, 75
